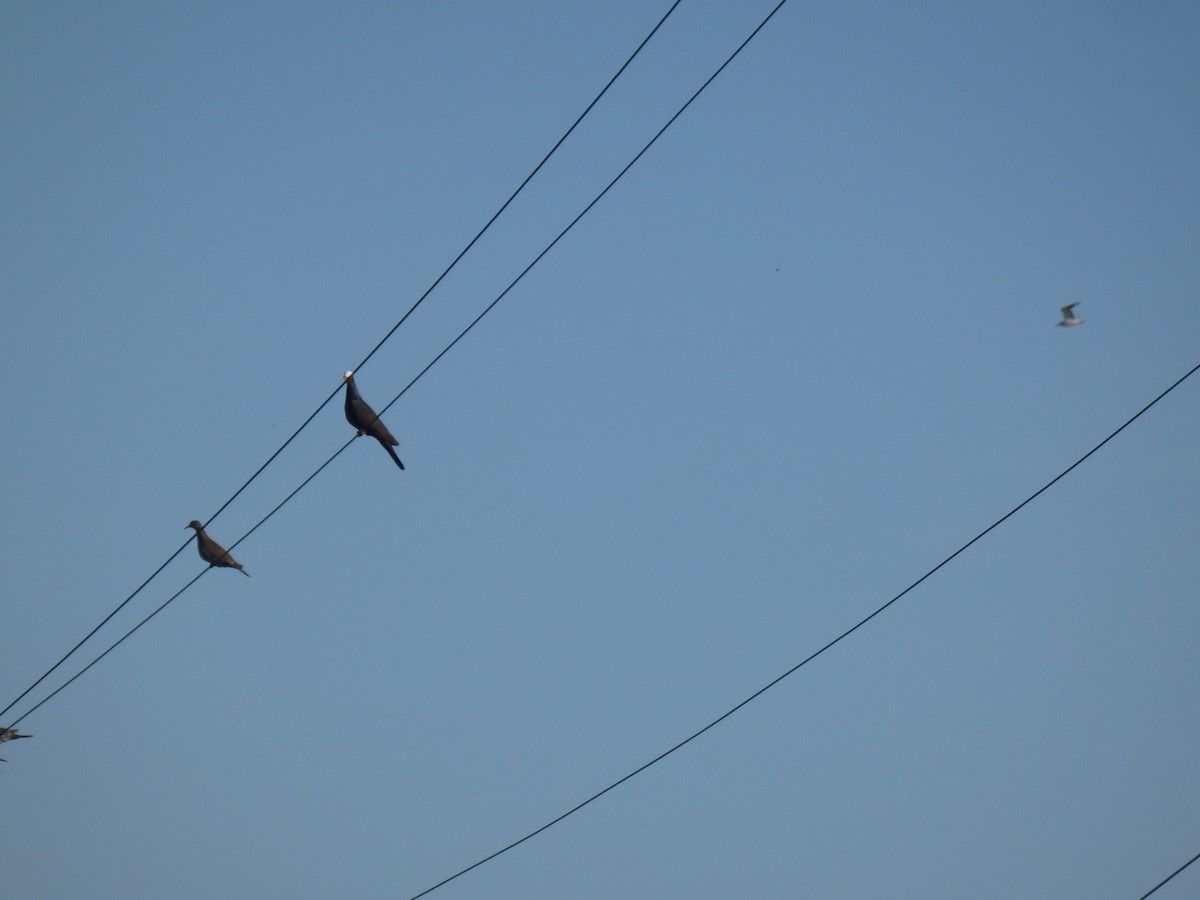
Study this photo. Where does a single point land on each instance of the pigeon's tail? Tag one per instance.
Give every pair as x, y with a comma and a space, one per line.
243, 571
17, 737
392, 453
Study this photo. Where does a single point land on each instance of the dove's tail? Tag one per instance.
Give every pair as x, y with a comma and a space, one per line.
388, 448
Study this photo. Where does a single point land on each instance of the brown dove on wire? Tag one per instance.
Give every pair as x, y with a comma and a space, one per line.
212, 552
366, 420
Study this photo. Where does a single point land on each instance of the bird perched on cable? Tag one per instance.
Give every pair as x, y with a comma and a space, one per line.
212, 552
1069, 316
10, 734
365, 419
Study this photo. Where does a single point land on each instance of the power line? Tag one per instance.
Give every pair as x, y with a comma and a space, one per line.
103, 622
1169, 877
845, 634
462, 333
334, 393
112, 647
629, 165
174, 596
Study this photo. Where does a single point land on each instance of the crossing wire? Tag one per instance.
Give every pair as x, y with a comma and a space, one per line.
111, 648
845, 634
365, 359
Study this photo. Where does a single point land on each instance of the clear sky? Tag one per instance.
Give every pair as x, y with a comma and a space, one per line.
800, 354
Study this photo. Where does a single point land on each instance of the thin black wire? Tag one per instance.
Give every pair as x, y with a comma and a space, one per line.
384, 340
103, 622
1169, 877
536, 169
112, 648
596, 200
845, 634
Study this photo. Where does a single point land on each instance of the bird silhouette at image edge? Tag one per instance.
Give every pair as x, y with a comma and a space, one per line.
1068, 317
10, 734
212, 552
365, 419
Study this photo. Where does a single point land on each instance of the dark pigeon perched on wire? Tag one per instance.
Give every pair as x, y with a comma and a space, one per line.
10, 734
363, 418
212, 552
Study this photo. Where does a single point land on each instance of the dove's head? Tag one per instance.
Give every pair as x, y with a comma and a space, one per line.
194, 524
347, 376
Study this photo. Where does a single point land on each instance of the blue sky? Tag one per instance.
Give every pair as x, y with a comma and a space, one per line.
803, 351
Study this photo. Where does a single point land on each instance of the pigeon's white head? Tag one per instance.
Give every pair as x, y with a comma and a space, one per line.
347, 376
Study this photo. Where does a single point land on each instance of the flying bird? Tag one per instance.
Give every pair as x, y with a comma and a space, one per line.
366, 420
212, 552
1069, 316
10, 734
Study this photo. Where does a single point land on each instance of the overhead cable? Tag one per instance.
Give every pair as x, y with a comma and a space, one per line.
845, 634
1169, 877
